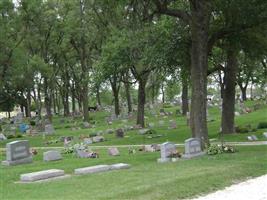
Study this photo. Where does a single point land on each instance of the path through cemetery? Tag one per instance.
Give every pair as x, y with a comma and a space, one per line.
255, 189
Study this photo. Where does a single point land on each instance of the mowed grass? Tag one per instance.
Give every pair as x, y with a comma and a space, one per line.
178, 135
146, 179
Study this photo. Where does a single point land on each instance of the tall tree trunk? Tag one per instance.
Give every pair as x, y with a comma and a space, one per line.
98, 96
85, 103
73, 98
39, 102
128, 96
163, 93
201, 11
141, 102
153, 94
116, 102
54, 101
28, 110
244, 93
185, 106
228, 104
47, 100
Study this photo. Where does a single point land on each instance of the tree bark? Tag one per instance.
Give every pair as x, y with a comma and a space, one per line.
200, 12
228, 104
73, 98
163, 94
28, 110
141, 102
115, 89
98, 99
185, 105
47, 100
244, 93
128, 96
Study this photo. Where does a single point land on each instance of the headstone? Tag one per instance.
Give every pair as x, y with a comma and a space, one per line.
192, 148
49, 129
151, 125
264, 135
149, 148
237, 114
91, 170
17, 152
86, 125
166, 151
188, 118
18, 118
109, 131
98, 139
41, 175
143, 131
120, 133
52, 155
119, 166
250, 138
173, 124
2, 137
87, 141
156, 147
161, 123
254, 137
113, 151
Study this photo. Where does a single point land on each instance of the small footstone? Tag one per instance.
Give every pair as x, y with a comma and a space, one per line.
119, 166
91, 170
41, 175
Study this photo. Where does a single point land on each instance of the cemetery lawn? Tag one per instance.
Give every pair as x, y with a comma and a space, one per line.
178, 135
146, 179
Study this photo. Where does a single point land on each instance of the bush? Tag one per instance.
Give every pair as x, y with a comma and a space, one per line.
92, 134
167, 105
0, 128
262, 125
239, 129
10, 136
214, 149
32, 123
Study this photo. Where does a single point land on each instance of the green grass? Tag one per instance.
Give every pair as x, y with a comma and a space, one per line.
145, 180
175, 135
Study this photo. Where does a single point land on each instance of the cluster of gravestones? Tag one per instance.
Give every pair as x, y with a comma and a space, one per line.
169, 152
52, 174
162, 112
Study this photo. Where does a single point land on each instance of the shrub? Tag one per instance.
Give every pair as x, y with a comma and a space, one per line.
18, 136
262, 125
214, 149
10, 136
0, 128
167, 105
239, 129
92, 134
32, 123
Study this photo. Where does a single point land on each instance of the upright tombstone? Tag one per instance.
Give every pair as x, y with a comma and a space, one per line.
18, 118
49, 129
17, 152
113, 151
193, 148
52, 155
167, 149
